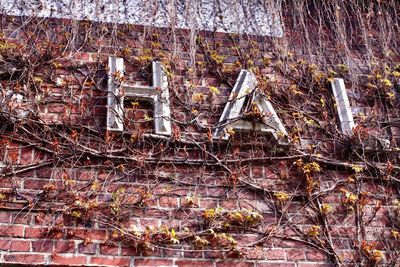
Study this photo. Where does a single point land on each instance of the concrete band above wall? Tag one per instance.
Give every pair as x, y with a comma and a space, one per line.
234, 16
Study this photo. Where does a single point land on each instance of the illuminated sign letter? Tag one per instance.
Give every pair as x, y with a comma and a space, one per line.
245, 86
343, 106
157, 94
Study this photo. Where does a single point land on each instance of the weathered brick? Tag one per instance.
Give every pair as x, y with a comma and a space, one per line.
25, 156
34, 232
246, 238
87, 248
64, 247
129, 251
91, 234
168, 253
234, 264
21, 218
145, 222
14, 231
55, 108
69, 259
315, 265
197, 263
85, 175
100, 235
38, 156
348, 255
49, 118
274, 264
44, 172
82, 56
20, 245
5, 217
6, 182
168, 202
108, 250
229, 204
24, 258
275, 254
99, 111
316, 256
290, 244
295, 254
214, 255
42, 246
154, 262
5, 244
36, 184
216, 192
193, 254
114, 261
256, 253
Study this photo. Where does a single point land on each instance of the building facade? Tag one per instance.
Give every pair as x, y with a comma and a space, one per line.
222, 133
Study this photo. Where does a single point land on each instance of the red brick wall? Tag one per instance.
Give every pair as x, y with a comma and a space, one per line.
60, 160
